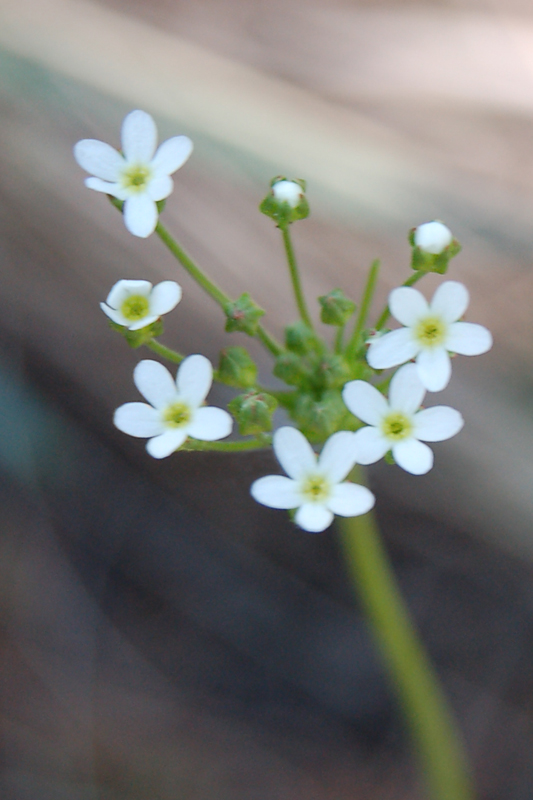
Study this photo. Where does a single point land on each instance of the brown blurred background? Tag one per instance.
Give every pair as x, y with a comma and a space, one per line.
162, 636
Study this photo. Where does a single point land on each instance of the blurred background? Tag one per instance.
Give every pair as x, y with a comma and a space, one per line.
162, 636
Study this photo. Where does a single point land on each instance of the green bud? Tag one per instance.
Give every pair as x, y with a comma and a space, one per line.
336, 308
286, 201
253, 412
433, 247
300, 338
243, 315
318, 419
236, 368
331, 371
290, 368
142, 335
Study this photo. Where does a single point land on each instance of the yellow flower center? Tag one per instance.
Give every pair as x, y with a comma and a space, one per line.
431, 331
136, 177
397, 426
176, 415
135, 307
315, 489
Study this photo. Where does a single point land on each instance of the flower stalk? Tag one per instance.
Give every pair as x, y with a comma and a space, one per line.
433, 729
295, 277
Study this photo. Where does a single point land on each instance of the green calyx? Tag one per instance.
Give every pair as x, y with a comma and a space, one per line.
421, 261
253, 412
236, 368
336, 308
139, 337
243, 315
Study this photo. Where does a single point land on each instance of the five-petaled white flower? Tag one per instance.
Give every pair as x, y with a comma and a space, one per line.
136, 304
398, 424
314, 486
176, 408
431, 332
135, 175
433, 237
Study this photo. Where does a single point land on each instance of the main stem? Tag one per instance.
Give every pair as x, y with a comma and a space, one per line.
295, 276
429, 719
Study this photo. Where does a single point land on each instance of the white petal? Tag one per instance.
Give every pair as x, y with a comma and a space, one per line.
162, 446
99, 159
392, 349
406, 390
124, 289
103, 186
142, 323
350, 500
313, 517
139, 137
115, 315
413, 456
370, 445
433, 237
194, 379
138, 419
293, 452
437, 423
140, 215
276, 491
159, 187
165, 296
434, 368
407, 305
468, 339
365, 401
155, 383
172, 154
450, 301
337, 457
210, 423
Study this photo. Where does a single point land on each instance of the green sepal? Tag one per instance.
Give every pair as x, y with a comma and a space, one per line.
389, 458
300, 339
337, 308
281, 211
430, 262
243, 315
289, 367
330, 372
253, 412
138, 338
319, 418
236, 368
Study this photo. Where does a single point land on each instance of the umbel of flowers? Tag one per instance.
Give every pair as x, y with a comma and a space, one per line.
336, 395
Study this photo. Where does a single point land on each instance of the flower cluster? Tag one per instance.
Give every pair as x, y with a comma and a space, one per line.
331, 396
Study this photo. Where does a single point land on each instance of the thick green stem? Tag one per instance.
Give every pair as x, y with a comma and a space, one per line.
295, 276
370, 287
414, 278
268, 341
430, 722
228, 447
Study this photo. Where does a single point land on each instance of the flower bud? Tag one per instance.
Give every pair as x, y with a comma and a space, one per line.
336, 308
300, 338
433, 247
286, 201
243, 315
236, 368
253, 412
289, 367
318, 419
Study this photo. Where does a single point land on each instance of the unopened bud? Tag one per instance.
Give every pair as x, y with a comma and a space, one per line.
433, 247
243, 315
253, 412
236, 368
286, 201
336, 308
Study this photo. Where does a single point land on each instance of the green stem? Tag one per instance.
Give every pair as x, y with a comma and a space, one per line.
295, 276
338, 339
209, 286
368, 294
165, 352
258, 443
414, 278
427, 714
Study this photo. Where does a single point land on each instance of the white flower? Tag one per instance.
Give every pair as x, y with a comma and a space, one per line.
433, 237
398, 425
136, 304
431, 332
136, 175
314, 486
176, 408
288, 192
